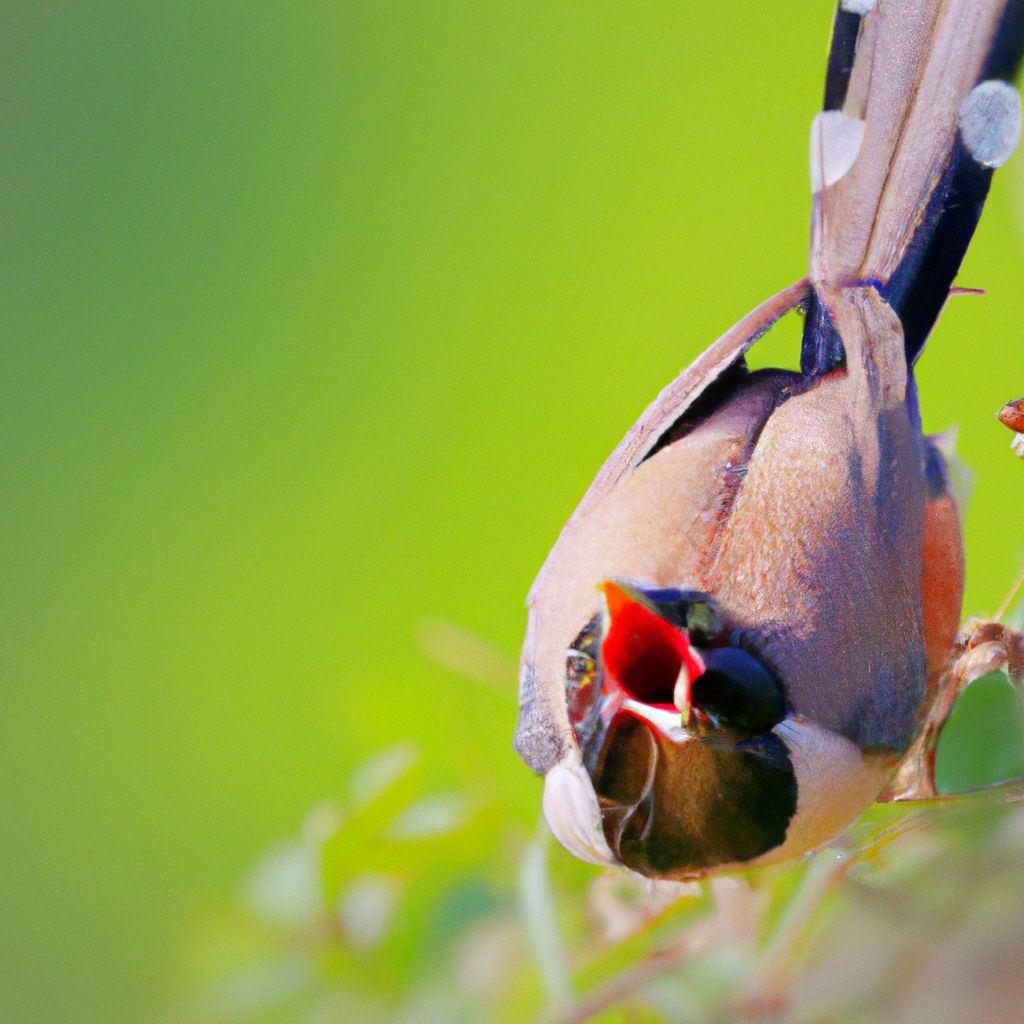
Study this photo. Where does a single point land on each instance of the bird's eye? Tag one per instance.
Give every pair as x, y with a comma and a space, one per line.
737, 693
580, 672
581, 658
580, 669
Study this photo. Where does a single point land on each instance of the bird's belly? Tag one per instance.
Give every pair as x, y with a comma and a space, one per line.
820, 564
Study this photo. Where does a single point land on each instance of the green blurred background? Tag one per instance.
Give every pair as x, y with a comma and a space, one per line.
316, 321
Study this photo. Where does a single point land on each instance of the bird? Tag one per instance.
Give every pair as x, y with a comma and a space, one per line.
734, 643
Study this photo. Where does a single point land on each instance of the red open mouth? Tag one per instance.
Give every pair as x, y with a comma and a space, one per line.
644, 655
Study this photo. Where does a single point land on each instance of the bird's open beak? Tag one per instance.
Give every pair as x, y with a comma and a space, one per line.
649, 658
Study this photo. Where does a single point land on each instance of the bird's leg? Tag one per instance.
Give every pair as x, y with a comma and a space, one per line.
982, 647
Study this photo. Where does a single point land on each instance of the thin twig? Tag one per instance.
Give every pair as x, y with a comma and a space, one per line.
461, 650
1014, 591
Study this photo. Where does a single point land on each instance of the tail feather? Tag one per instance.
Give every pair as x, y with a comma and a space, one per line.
917, 114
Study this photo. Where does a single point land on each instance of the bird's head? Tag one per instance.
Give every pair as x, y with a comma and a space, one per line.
673, 722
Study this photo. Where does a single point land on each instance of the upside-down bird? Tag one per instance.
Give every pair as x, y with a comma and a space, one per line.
736, 637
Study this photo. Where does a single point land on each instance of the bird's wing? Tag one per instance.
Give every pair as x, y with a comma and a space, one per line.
918, 112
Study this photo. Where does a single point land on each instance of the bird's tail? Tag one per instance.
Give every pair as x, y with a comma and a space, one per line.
919, 110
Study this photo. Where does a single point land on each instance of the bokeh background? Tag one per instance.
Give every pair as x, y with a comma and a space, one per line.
315, 321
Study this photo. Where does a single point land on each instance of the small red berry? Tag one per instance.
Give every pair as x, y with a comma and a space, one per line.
1012, 415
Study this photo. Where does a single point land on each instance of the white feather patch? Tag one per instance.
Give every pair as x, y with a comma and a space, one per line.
990, 122
835, 143
860, 7
835, 783
570, 806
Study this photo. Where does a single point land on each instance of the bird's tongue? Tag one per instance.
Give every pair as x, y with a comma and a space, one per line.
648, 658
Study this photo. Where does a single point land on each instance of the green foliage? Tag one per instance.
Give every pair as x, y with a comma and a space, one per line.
399, 906
982, 739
